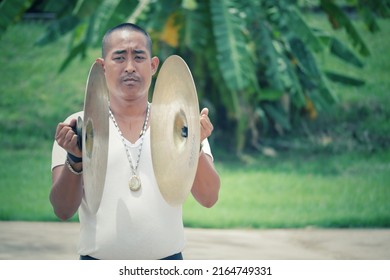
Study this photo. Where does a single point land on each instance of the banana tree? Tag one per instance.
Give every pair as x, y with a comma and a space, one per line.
253, 61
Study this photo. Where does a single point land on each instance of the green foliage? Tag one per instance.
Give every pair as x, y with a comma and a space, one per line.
234, 61
256, 47
239, 52
335, 176
11, 12
340, 50
34, 97
344, 79
339, 19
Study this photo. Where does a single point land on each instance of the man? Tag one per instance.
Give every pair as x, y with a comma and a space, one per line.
131, 223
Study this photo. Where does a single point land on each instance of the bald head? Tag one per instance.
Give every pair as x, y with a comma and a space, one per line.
122, 27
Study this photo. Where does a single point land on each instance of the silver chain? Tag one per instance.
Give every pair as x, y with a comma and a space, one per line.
142, 134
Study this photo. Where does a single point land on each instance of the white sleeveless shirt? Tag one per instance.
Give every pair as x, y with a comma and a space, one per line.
128, 225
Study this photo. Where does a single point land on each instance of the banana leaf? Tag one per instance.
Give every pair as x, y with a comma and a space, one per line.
12, 11
58, 29
299, 28
278, 115
343, 79
233, 58
339, 19
342, 51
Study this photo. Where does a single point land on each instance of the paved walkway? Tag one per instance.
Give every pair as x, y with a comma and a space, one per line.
44, 241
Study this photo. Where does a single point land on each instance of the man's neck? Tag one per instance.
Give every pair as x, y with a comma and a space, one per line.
129, 109
130, 117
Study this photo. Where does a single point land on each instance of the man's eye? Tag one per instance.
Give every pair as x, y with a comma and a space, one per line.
139, 58
119, 58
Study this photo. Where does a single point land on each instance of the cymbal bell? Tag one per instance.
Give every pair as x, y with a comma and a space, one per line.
95, 136
175, 130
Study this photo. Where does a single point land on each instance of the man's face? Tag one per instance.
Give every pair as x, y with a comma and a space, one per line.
128, 65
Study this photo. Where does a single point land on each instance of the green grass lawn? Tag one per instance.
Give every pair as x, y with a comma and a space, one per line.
346, 186
25, 185
323, 191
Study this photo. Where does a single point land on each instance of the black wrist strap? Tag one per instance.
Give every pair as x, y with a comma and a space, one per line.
74, 158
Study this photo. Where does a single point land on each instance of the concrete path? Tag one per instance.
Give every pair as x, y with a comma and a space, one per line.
48, 241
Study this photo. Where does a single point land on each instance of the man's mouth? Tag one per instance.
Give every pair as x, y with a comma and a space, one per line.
130, 80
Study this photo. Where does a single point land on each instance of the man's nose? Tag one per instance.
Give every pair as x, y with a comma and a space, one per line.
130, 66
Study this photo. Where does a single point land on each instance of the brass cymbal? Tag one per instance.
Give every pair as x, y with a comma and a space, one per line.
95, 135
175, 130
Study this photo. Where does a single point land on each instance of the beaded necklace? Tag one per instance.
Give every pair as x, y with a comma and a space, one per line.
135, 180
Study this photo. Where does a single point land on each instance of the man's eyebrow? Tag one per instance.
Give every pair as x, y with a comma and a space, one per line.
135, 51
119, 52
138, 51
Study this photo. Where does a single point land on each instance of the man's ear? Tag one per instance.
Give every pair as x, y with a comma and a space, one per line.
100, 61
155, 63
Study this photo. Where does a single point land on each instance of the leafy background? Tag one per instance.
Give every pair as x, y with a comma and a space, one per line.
282, 165
255, 63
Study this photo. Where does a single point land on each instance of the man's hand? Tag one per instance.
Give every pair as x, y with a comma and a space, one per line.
206, 127
67, 139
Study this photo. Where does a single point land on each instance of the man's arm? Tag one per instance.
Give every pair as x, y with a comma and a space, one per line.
207, 183
66, 192
67, 186
205, 188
